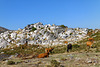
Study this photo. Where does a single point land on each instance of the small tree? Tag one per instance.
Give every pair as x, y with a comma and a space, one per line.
10, 62
54, 63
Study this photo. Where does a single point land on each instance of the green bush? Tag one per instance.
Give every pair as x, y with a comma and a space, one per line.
45, 31
59, 49
40, 33
52, 33
80, 33
76, 46
33, 29
49, 28
71, 33
33, 39
42, 28
54, 63
10, 62
63, 59
62, 26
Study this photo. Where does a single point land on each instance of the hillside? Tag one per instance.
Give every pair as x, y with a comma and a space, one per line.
46, 35
2, 29
79, 56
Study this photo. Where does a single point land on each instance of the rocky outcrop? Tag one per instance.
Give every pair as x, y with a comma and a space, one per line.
43, 35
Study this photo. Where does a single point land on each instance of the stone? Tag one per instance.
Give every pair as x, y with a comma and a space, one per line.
8, 40
69, 31
21, 35
43, 35
13, 35
31, 42
49, 37
4, 44
89, 61
18, 44
23, 41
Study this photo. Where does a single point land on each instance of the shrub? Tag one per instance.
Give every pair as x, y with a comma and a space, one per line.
63, 59
71, 33
40, 33
10, 62
62, 26
80, 33
41, 27
29, 34
54, 63
33, 39
49, 28
45, 31
48, 66
97, 50
33, 29
76, 46
52, 33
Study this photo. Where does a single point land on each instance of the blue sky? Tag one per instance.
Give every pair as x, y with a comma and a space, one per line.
16, 14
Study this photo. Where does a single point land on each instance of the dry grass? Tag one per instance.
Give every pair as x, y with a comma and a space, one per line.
32, 49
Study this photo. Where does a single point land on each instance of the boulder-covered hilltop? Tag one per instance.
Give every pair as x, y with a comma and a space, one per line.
42, 35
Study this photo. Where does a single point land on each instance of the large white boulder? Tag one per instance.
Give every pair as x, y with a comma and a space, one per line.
21, 35
23, 41
31, 42
52, 27
62, 35
13, 35
8, 40
33, 35
69, 31
1, 39
50, 37
18, 44
4, 44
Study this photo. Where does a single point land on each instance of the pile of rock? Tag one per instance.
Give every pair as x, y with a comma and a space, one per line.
42, 34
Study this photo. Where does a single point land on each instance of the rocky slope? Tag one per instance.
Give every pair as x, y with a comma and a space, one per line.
3, 29
47, 35
79, 56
